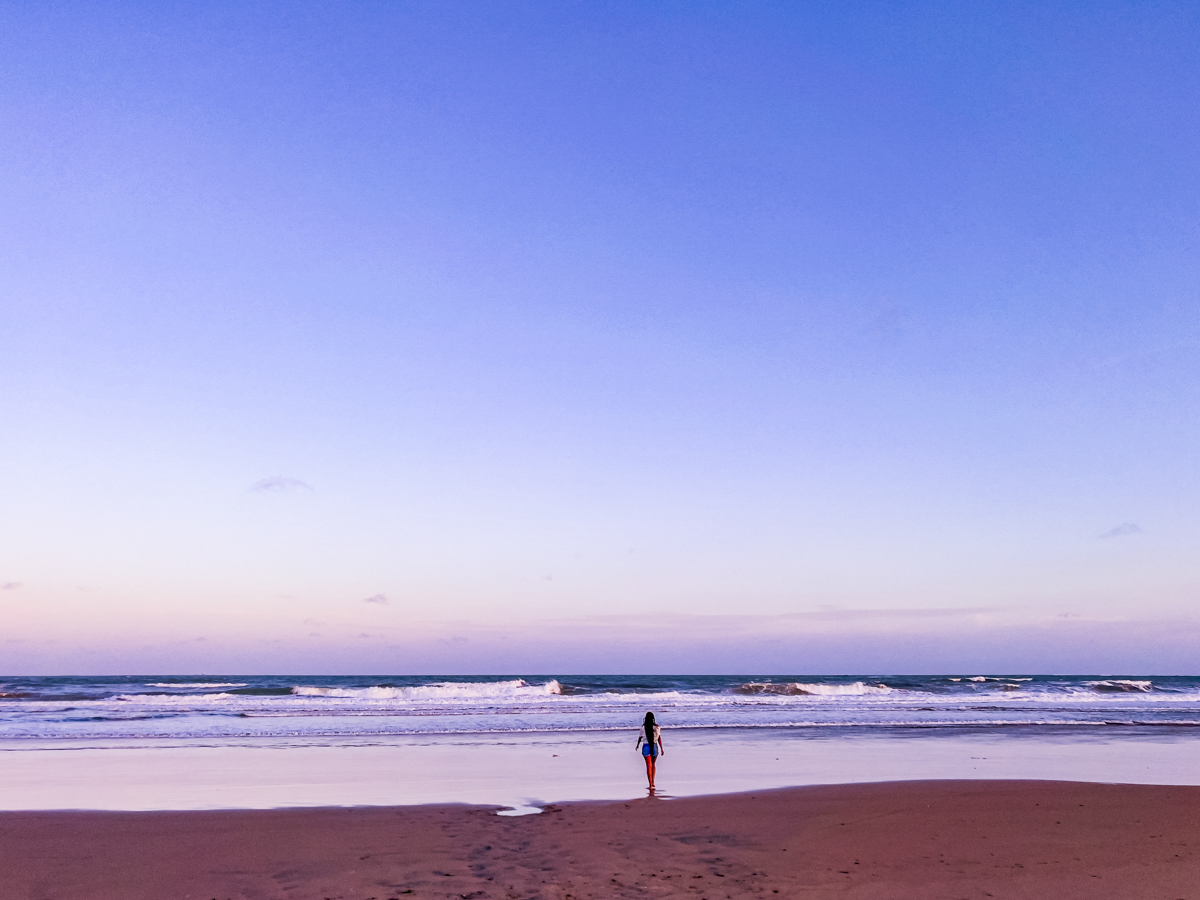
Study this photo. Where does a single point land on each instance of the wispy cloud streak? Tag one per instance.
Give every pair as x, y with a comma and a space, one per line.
1125, 529
278, 484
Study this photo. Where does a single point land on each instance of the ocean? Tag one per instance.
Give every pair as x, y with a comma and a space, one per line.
324, 708
522, 741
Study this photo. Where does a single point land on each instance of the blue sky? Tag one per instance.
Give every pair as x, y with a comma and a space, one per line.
866, 332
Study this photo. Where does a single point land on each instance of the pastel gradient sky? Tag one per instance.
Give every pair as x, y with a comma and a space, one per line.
560, 337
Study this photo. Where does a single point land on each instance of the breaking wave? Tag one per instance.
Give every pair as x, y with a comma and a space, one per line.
797, 689
446, 690
196, 684
1121, 686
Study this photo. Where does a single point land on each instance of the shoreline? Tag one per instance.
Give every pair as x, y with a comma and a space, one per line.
535, 769
931, 839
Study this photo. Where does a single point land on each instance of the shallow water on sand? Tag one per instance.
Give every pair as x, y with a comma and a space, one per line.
526, 771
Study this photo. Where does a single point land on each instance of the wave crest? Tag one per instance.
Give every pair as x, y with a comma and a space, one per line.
1121, 686
196, 684
797, 689
446, 690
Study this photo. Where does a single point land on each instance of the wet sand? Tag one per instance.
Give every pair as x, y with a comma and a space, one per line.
943, 839
535, 769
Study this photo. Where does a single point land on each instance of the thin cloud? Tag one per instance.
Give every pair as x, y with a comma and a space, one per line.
381, 599
278, 484
10, 585
887, 322
1123, 530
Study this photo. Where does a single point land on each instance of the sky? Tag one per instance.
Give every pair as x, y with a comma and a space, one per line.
599, 337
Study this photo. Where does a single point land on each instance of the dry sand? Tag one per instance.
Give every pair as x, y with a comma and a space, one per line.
927, 840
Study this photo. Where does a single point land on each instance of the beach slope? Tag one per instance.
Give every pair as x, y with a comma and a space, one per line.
940, 839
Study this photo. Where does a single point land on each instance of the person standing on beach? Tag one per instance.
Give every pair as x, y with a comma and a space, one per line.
650, 742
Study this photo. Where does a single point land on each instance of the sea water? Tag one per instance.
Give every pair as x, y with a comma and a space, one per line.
159, 742
232, 706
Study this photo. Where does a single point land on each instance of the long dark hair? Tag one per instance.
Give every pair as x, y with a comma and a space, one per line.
648, 724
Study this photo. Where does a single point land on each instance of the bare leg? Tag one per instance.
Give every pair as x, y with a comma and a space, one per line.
650, 771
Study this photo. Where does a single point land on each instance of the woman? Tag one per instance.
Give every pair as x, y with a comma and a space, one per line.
650, 741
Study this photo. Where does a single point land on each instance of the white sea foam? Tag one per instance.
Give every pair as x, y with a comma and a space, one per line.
196, 684
793, 689
173, 699
447, 690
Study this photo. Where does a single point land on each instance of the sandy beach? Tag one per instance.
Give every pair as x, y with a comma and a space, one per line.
942, 839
